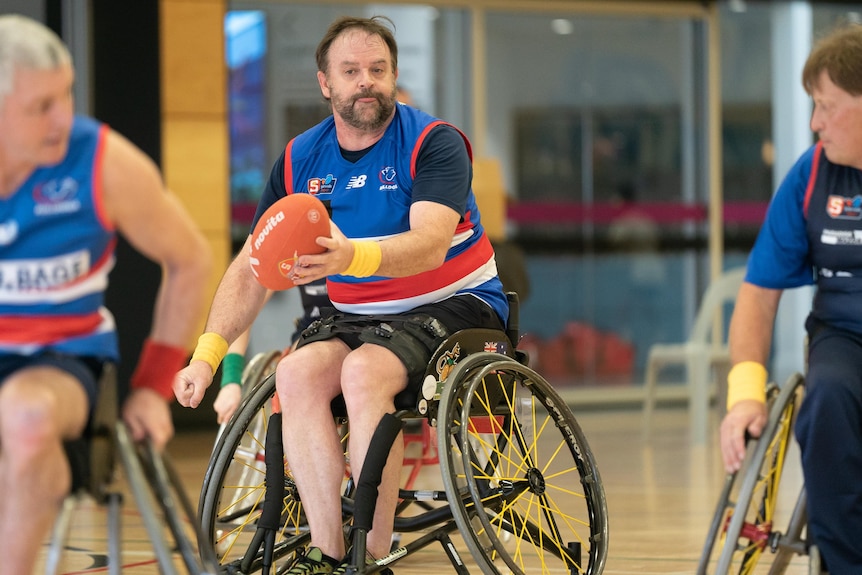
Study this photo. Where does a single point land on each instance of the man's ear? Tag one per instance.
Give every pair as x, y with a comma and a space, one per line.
324, 86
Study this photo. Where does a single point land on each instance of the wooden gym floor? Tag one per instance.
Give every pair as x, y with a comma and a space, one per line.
661, 495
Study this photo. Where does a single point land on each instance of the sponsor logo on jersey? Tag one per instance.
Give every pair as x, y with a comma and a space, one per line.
57, 196
43, 274
356, 182
317, 186
841, 237
827, 273
843, 208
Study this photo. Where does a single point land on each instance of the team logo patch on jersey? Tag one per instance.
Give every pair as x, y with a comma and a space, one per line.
387, 175
58, 196
387, 178
318, 186
842, 208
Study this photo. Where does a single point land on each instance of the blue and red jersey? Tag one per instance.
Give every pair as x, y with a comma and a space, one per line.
56, 250
813, 235
370, 199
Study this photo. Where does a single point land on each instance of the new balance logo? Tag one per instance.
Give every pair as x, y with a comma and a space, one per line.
356, 182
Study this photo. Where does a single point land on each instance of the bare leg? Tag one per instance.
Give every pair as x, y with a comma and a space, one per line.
38, 408
307, 380
371, 377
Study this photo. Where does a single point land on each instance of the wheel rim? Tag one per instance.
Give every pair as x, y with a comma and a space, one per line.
749, 535
234, 486
522, 460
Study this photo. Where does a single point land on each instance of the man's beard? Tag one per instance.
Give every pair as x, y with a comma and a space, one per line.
370, 119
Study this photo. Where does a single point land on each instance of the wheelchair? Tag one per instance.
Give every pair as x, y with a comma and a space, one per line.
520, 484
744, 536
166, 512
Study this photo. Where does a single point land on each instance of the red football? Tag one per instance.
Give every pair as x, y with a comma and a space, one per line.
285, 231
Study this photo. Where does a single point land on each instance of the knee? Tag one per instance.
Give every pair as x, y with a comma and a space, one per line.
32, 441
28, 422
831, 388
371, 374
302, 384
356, 372
287, 374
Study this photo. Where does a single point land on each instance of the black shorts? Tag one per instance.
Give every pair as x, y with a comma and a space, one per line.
87, 370
415, 343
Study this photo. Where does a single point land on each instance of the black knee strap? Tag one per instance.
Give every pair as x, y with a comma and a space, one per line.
414, 339
319, 330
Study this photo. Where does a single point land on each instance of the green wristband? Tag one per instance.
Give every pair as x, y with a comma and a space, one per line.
231, 369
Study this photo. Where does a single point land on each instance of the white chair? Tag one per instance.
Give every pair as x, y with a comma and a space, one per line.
699, 355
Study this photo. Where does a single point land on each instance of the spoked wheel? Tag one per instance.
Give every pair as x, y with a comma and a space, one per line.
520, 478
255, 371
235, 483
743, 527
235, 486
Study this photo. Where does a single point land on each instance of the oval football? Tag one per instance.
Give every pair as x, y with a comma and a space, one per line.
286, 230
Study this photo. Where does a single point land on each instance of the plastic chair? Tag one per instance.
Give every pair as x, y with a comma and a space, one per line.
698, 355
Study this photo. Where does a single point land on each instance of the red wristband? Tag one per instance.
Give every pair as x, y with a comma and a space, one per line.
157, 366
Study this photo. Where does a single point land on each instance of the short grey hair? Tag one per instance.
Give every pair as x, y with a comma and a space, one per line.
28, 44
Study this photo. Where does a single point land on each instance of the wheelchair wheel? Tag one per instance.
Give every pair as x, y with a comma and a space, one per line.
260, 366
520, 478
743, 530
253, 375
234, 486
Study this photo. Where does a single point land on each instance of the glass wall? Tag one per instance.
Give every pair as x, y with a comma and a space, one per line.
596, 118
599, 125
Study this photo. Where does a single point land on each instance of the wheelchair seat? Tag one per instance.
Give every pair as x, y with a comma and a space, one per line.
92, 456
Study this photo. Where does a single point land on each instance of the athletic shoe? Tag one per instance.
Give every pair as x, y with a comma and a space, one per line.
342, 567
313, 562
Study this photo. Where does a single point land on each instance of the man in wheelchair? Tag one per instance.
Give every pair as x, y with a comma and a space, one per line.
408, 263
811, 236
68, 185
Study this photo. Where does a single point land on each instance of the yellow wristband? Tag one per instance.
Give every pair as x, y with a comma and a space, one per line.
211, 348
746, 380
366, 259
